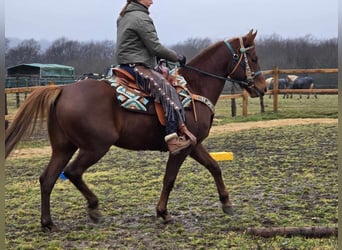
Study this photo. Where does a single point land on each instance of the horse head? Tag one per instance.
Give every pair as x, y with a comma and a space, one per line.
269, 81
244, 68
292, 78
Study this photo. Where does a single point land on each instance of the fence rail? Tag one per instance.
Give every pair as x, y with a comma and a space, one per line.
298, 71
21, 90
244, 95
307, 91
276, 91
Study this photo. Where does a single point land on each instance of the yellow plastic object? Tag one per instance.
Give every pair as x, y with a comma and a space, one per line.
222, 156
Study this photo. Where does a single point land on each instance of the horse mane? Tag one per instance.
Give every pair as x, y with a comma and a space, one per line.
205, 53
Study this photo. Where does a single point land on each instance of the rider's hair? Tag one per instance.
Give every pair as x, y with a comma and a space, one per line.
123, 11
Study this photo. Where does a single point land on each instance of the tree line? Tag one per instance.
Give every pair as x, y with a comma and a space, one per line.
97, 56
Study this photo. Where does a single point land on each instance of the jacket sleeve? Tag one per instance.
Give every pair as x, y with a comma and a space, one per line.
148, 34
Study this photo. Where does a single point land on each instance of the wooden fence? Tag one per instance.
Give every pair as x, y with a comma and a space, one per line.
244, 95
276, 91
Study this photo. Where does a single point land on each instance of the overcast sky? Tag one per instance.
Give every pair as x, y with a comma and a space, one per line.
176, 20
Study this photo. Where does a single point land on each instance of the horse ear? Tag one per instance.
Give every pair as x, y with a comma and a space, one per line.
251, 36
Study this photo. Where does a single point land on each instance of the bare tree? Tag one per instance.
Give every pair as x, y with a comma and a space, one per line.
192, 46
96, 57
7, 41
302, 52
63, 51
273, 50
27, 51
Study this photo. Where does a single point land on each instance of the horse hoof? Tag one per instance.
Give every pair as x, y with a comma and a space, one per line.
167, 219
228, 210
95, 215
50, 228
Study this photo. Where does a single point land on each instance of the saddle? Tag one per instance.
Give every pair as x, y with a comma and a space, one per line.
133, 97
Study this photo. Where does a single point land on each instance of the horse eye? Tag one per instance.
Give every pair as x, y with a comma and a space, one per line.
255, 59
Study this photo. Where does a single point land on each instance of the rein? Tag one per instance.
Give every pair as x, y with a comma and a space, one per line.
215, 76
236, 58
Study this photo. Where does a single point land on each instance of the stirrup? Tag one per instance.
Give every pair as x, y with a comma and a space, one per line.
184, 130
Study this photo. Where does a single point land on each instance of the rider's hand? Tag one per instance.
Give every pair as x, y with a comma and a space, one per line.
181, 60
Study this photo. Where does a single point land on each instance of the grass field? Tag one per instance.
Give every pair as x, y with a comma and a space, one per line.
283, 176
324, 106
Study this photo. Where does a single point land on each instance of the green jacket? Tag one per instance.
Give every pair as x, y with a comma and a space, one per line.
137, 39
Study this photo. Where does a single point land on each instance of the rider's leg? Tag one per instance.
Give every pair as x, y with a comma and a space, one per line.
159, 88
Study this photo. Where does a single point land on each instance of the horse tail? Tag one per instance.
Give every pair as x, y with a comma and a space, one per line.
36, 107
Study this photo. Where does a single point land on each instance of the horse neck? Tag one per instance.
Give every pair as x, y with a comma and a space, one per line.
215, 61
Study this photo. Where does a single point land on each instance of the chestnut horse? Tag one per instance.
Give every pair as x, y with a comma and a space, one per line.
87, 117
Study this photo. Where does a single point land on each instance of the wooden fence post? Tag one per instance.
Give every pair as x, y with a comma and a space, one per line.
233, 102
262, 105
6, 112
233, 107
275, 89
17, 95
244, 103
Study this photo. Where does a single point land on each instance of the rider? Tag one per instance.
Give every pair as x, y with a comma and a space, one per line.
138, 45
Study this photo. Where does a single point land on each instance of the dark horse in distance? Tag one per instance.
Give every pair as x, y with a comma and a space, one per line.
302, 82
283, 83
87, 117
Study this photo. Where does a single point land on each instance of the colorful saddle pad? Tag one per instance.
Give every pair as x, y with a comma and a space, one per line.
130, 99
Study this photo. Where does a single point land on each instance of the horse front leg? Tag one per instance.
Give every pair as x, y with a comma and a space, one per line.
201, 155
172, 168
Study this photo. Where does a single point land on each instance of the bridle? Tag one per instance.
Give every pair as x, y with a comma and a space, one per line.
243, 56
236, 62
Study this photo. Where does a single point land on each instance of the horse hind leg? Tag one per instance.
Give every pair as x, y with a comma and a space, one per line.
74, 172
59, 159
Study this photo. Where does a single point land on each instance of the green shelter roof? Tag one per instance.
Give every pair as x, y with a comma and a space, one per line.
43, 70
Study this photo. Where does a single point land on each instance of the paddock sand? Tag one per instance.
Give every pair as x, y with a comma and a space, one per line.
231, 127
221, 129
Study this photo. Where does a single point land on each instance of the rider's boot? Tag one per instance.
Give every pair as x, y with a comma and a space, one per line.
176, 143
